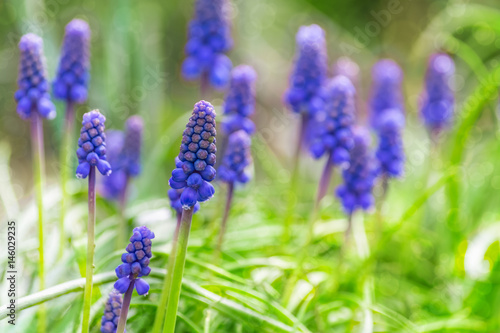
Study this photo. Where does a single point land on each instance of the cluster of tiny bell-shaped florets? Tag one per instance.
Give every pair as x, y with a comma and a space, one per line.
73, 72
310, 71
386, 92
236, 158
92, 145
135, 262
32, 95
112, 187
197, 155
390, 151
333, 124
131, 156
209, 37
439, 99
112, 311
239, 104
359, 178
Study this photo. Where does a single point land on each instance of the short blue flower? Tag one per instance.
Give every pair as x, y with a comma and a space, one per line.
239, 104
135, 262
112, 311
73, 71
439, 99
333, 125
197, 154
309, 72
92, 146
359, 178
236, 159
209, 38
32, 94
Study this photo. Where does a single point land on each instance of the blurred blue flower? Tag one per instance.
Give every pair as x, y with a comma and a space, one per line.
209, 38
112, 311
92, 147
236, 158
390, 150
197, 155
439, 99
359, 177
32, 94
73, 70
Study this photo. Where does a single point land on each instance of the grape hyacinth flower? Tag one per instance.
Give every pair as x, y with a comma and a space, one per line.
239, 104
359, 178
347, 67
112, 311
333, 136
91, 154
234, 163
70, 86
194, 170
33, 102
71, 83
112, 187
439, 99
32, 95
209, 38
135, 265
390, 151
386, 89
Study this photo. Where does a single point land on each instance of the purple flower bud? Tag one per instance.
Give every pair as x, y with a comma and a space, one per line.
332, 126
386, 89
112, 311
32, 80
239, 104
73, 71
310, 70
236, 159
209, 37
197, 157
91, 138
135, 260
438, 99
359, 177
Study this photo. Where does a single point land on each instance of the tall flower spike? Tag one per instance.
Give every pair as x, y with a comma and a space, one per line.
32, 94
309, 72
132, 146
73, 71
333, 126
359, 178
135, 262
112, 310
387, 77
197, 154
390, 151
239, 104
111, 187
439, 99
209, 37
236, 159
92, 146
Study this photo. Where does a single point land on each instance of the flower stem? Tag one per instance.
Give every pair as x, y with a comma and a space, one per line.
125, 306
229, 199
65, 170
87, 300
292, 192
325, 180
38, 175
160, 311
204, 85
123, 226
178, 271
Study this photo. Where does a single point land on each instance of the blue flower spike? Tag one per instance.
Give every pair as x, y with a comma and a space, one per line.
236, 159
92, 145
32, 94
112, 311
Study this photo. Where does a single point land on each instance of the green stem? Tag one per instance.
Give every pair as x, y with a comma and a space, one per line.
178, 271
123, 225
229, 199
125, 307
160, 311
38, 173
87, 299
65, 170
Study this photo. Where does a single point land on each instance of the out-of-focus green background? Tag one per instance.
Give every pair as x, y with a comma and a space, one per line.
434, 262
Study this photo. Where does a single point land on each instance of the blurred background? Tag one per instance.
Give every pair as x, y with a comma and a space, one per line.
428, 271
